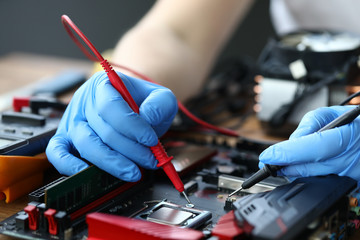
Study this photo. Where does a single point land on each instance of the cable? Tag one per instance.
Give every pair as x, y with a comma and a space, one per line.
69, 26
348, 99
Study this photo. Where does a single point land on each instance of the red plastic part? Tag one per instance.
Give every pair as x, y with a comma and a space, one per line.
227, 229
33, 213
20, 102
166, 164
69, 25
50, 216
108, 227
119, 85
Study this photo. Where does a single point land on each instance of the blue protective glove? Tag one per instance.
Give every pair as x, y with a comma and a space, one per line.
99, 126
308, 153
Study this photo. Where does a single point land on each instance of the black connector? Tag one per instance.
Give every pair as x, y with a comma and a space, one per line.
36, 104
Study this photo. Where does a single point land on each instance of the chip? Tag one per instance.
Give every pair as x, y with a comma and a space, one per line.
174, 215
169, 216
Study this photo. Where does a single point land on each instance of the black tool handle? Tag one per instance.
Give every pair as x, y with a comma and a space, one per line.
346, 118
266, 171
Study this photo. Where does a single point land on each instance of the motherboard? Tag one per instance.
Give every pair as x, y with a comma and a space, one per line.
95, 205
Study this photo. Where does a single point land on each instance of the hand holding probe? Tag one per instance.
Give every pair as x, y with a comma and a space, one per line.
158, 150
271, 170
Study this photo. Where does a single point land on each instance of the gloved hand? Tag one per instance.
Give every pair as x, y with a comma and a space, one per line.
308, 153
99, 126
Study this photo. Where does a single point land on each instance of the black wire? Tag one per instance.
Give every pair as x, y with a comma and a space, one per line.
348, 99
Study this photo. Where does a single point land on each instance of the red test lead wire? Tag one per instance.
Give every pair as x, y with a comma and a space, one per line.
158, 150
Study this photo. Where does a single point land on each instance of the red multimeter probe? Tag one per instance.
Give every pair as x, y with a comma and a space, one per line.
158, 150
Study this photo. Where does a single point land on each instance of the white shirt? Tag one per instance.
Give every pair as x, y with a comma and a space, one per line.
334, 15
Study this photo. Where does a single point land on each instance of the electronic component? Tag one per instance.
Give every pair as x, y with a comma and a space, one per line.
134, 211
191, 186
39, 194
22, 221
229, 203
25, 134
170, 216
189, 156
67, 200
80, 189
175, 215
287, 211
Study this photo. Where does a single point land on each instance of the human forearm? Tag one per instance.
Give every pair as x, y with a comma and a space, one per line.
163, 58
176, 43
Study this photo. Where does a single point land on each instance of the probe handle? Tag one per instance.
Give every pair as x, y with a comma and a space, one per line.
165, 162
343, 119
119, 85
267, 171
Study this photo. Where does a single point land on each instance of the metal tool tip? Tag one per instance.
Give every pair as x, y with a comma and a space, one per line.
237, 190
186, 197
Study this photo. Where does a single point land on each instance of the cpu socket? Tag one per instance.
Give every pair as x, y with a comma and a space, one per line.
175, 215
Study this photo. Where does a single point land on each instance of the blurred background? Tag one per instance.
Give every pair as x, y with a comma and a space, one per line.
35, 27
